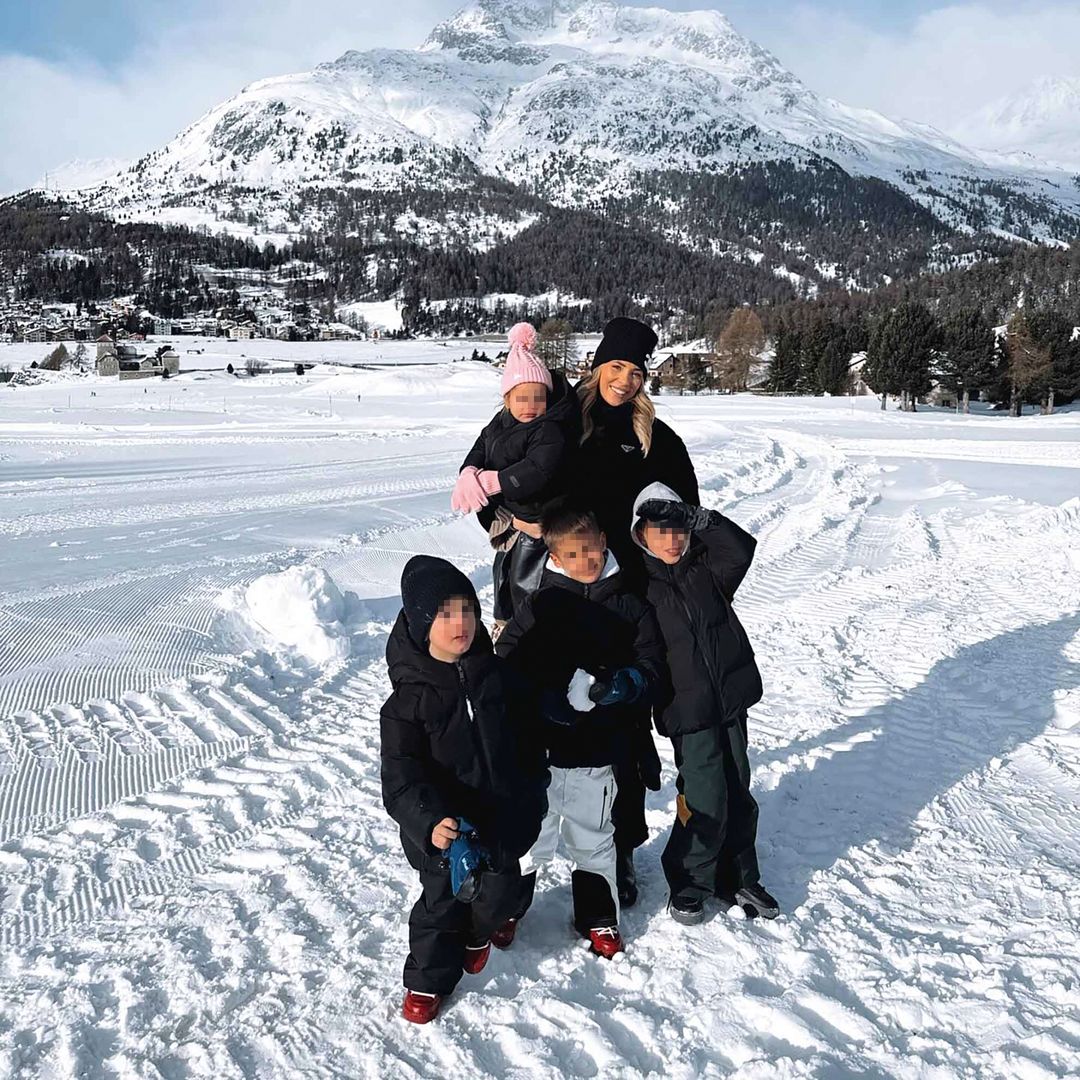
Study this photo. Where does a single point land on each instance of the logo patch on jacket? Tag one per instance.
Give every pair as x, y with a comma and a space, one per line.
628, 449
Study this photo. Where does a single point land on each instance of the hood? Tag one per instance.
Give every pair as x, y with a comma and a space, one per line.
652, 491
611, 568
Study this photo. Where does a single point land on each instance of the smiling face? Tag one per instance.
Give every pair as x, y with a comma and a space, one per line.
580, 555
620, 381
666, 542
453, 630
527, 401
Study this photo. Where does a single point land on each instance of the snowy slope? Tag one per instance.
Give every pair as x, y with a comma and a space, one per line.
573, 99
196, 874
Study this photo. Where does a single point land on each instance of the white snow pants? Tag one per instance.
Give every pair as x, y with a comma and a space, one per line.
579, 810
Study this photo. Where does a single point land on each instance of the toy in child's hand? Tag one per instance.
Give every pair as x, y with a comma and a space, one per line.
677, 514
621, 687
555, 709
468, 861
469, 495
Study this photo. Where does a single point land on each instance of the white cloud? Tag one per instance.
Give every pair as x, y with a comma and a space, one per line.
940, 69
55, 111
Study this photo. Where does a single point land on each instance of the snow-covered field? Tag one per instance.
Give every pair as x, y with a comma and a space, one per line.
196, 874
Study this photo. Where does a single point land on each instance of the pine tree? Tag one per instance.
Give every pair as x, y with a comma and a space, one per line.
56, 359
697, 378
1054, 332
834, 366
784, 369
899, 355
967, 363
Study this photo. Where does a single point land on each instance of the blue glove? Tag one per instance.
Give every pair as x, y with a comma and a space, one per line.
468, 860
622, 687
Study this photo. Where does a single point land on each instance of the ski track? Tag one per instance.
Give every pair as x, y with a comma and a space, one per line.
197, 877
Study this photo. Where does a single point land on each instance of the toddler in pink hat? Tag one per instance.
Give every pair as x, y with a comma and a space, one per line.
520, 460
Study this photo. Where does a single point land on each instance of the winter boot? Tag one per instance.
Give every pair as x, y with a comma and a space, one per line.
503, 938
689, 912
626, 877
605, 941
757, 901
420, 1008
476, 957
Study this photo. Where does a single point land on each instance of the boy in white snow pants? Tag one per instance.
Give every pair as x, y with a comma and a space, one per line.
579, 811
594, 656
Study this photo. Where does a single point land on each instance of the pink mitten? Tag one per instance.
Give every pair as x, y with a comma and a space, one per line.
489, 481
468, 496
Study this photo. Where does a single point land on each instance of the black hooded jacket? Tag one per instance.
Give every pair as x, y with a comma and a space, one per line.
533, 460
714, 676
610, 470
459, 740
567, 625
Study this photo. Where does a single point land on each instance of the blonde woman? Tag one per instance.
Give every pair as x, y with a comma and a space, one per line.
623, 449
623, 446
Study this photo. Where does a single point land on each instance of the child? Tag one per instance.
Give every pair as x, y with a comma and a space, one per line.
523, 457
580, 626
453, 750
697, 559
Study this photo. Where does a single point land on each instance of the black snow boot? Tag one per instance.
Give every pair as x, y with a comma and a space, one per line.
625, 877
757, 901
689, 912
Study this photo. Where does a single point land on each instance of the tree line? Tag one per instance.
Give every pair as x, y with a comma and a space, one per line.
1034, 358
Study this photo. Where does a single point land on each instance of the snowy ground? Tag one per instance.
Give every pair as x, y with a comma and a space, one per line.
197, 877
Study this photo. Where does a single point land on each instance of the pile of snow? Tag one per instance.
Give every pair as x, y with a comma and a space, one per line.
299, 611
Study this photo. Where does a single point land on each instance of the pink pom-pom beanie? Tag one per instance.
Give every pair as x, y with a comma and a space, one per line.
522, 364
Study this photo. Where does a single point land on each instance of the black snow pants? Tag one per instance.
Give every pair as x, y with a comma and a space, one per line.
711, 850
638, 763
440, 927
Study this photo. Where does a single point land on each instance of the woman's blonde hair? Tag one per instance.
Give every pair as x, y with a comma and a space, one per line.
644, 411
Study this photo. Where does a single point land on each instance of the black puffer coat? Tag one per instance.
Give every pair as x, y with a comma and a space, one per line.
566, 625
460, 740
714, 677
534, 460
610, 470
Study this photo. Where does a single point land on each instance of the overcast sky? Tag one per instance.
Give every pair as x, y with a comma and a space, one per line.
116, 78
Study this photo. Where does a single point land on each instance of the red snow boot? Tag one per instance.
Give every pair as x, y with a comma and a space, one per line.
476, 956
420, 1008
503, 938
605, 941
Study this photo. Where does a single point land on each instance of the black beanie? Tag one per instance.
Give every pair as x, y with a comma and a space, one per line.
625, 339
426, 584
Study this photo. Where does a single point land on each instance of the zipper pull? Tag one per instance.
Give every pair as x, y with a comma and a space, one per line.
464, 691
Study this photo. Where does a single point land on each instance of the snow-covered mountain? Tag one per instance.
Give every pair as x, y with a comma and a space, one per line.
84, 172
1042, 121
574, 99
